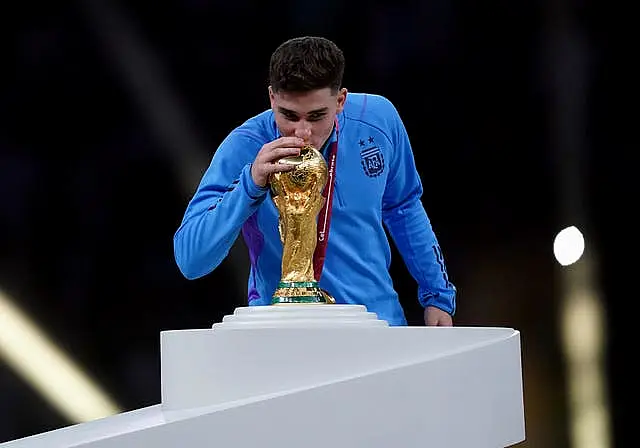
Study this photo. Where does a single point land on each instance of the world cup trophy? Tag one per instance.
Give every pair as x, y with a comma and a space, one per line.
297, 194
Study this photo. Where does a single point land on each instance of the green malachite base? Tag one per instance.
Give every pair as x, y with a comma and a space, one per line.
298, 292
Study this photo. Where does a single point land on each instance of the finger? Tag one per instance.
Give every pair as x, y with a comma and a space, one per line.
287, 141
430, 317
432, 321
279, 153
443, 321
278, 168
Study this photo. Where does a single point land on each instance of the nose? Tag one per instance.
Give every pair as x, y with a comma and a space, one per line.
303, 130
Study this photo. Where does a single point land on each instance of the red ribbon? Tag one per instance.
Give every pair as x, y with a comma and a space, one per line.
324, 217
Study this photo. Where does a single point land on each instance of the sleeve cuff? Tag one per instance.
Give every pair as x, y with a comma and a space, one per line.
254, 191
446, 304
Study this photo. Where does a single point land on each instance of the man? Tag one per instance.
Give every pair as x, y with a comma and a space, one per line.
376, 185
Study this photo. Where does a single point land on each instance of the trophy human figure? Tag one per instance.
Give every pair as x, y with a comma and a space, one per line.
297, 194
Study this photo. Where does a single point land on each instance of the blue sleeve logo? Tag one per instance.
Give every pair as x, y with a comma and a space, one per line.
371, 159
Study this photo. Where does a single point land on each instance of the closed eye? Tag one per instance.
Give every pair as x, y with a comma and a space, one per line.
316, 117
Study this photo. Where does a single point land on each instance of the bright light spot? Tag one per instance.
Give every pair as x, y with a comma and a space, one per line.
568, 246
43, 365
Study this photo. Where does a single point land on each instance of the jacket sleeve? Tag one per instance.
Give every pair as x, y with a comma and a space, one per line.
224, 199
406, 219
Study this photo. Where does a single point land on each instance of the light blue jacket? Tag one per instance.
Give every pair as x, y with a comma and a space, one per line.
376, 185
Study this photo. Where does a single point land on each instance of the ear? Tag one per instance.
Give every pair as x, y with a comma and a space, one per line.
341, 99
271, 97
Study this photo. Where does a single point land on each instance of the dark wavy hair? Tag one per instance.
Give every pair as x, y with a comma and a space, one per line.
306, 63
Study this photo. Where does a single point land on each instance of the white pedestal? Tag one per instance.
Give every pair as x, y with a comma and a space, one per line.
317, 376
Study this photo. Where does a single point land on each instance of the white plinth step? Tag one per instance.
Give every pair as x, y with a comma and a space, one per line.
300, 316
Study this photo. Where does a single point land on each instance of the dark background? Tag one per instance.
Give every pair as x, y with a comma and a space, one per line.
98, 158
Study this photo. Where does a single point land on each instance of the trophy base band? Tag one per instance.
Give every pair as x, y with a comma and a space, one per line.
300, 292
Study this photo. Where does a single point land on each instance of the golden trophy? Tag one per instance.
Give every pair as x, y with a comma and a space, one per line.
298, 196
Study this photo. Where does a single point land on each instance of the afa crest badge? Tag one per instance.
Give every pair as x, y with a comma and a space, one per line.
372, 161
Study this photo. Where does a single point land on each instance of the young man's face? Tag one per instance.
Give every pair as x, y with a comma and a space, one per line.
308, 115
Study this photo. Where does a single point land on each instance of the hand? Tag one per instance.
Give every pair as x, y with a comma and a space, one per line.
435, 317
266, 161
